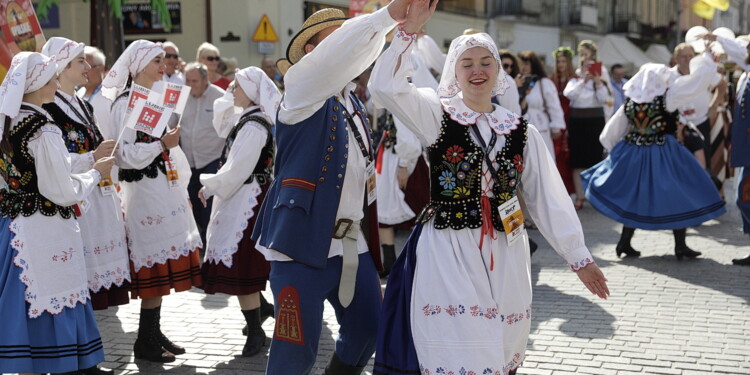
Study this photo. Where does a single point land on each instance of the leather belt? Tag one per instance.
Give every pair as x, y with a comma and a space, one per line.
347, 231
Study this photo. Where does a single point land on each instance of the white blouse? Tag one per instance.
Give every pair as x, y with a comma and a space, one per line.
586, 94
544, 109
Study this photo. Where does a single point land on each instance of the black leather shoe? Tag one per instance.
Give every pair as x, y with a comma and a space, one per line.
628, 250
96, 370
742, 261
685, 251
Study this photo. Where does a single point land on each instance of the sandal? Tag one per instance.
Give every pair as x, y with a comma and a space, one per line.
579, 203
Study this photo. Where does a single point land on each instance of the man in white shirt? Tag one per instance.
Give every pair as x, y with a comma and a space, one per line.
91, 92
198, 138
172, 72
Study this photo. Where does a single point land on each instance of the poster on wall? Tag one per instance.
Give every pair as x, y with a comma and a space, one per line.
141, 19
19, 30
357, 7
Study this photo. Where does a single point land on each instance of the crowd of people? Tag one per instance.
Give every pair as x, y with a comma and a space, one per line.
464, 149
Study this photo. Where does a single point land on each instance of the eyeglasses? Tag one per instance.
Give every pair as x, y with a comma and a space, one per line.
232, 88
212, 58
171, 56
507, 66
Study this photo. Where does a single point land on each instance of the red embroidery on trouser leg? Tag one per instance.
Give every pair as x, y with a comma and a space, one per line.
289, 320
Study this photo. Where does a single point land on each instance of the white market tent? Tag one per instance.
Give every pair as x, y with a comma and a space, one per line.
617, 49
659, 53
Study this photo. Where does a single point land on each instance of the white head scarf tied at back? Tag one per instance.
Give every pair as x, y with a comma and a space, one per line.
260, 89
28, 72
448, 87
651, 81
63, 50
133, 60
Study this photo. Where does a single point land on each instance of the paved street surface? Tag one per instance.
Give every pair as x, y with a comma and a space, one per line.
664, 317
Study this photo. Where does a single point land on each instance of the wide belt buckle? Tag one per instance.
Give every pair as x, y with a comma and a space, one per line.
338, 227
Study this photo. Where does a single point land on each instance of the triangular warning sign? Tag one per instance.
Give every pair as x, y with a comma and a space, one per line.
265, 32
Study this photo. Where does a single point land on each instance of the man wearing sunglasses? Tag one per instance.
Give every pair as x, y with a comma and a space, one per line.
172, 72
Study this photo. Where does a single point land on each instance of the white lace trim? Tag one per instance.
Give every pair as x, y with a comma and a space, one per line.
501, 120
225, 254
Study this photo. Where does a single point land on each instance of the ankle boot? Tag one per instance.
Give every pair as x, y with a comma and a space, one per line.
266, 311
256, 337
336, 367
680, 247
389, 257
147, 344
623, 246
163, 340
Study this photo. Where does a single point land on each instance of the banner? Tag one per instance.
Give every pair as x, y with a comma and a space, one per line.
149, 117
138, 92
357, 7
20, 31
175, 97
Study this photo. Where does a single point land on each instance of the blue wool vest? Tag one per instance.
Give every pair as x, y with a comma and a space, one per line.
298, 215
741, 128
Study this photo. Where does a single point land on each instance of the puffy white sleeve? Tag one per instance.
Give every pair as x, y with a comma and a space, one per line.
56, 180
431, 53
336, 61
736, 51
687, 88
552, 101
574, 88
241, 161
615, 129
82, 162
510, 99
131, 154
549, 204
419, 109
408, 149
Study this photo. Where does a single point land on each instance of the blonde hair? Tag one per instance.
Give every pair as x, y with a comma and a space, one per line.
206, 47
591, 46
682, 46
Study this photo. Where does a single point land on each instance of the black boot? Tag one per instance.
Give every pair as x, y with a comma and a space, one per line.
389, 257
96, 370
266, 311
742, 261
163, 340
680, 247
147, 344
623, 246
336, 367
532, 247
256, 337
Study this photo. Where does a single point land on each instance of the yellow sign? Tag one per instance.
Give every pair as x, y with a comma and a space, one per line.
265, 32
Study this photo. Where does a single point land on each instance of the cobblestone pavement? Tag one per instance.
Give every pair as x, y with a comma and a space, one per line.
664, 316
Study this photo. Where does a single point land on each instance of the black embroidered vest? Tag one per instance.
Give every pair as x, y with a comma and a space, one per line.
649, 122
456, 176
79, 138
151, 170
17, 168
263, 171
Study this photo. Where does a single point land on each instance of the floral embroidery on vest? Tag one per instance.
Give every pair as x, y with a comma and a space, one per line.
649, 122
456, 171
17, 168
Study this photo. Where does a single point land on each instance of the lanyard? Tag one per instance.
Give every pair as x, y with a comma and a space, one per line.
94, 93
357, 135
88, 120
486, 150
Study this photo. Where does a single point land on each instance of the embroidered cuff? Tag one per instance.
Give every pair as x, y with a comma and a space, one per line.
578, 258
403, 40
96, 175
91, 159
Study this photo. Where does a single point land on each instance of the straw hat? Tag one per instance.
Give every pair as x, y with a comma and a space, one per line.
314, 24
471, 31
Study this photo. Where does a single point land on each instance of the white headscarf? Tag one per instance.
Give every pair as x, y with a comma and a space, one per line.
131, 62
448, 87
258, 87
63, 50
28, 72
652, 80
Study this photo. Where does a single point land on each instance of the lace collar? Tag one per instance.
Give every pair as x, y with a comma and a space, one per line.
501, 120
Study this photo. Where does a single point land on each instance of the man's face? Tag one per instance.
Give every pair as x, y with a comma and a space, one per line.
197, 83
96, 74
269, 67
618, 74
683, 59
172, 59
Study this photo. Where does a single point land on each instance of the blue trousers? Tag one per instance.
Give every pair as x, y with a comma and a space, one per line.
299, 292
743, 198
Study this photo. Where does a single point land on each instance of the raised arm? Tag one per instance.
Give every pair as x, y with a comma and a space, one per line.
687, 88
336, 61
735, 50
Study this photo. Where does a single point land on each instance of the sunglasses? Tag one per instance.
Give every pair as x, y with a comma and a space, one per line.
213, 58
507, 66
171, 56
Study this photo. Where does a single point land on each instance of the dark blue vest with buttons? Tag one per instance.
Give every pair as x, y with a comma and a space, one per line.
298, 215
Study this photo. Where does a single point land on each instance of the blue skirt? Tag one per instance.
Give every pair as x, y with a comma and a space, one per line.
653, 187
395, 353
49, 343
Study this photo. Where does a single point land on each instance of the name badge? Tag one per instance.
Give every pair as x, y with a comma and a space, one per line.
81, 207
371, 192
512, 218
106, 187
172, 175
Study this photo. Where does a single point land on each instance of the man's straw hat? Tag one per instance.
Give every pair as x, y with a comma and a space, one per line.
283, 65
314, 24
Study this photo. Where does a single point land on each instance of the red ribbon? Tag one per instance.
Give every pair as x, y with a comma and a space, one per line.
487, 228
381, 150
